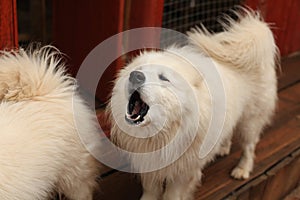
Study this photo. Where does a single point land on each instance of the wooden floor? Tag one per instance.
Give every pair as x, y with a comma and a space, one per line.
277, 165
295, 194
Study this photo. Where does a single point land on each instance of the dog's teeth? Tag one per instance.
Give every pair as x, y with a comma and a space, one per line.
137, 118
132, 115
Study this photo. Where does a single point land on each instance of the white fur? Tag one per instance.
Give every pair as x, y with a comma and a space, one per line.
244, 55
41, 151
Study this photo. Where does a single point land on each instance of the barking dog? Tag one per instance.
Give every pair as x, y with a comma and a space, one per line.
41, 151
164, 95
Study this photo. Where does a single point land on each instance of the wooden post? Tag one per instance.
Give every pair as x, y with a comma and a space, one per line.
79, 26
8, 24
143, 14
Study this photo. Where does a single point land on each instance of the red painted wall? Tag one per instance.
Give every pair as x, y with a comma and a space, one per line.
144, 14
285, 19
79, 26
8, 24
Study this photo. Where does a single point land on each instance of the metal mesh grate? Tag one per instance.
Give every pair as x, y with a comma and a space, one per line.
181, 15
34, 21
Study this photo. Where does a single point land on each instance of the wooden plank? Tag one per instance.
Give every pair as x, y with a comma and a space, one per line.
119, 186
246, 192
276, 184
8, 24
291, 94
294, 195
255, 192
290, 73
284, 177
296, 153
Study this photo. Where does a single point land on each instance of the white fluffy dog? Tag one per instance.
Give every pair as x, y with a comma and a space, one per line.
163, 95
41, 151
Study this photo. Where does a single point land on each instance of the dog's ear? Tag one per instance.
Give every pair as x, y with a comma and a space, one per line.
10, 87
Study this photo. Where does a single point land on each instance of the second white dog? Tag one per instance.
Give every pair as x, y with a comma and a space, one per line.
163, 97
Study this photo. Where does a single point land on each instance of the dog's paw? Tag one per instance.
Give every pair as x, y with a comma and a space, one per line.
224, 151
225, 147
240, 173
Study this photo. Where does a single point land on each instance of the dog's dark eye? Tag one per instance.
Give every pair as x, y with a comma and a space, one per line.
163, 78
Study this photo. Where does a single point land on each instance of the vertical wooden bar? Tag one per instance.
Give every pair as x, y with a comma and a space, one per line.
8, 24
144, 14
79, 26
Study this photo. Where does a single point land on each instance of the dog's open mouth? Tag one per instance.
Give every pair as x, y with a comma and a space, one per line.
136, 110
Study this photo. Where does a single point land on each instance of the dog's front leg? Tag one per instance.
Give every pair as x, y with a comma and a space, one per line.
182, 188
174, 191
152, 190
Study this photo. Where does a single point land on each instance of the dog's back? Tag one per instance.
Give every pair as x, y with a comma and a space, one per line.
246, 54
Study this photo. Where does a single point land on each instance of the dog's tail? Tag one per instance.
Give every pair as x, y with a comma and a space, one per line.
245, 43
33, 74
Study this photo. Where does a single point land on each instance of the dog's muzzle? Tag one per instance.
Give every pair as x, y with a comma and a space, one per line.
137, 78
136, 109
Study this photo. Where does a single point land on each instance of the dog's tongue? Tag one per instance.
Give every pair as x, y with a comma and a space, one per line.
136, 111
137, 108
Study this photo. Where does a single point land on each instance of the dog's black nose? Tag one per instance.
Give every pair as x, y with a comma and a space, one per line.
137, 78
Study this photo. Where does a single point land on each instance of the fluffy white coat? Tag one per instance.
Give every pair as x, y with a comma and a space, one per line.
245, 57
41, 151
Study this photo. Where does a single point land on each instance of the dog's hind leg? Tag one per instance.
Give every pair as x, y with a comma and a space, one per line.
249, 131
